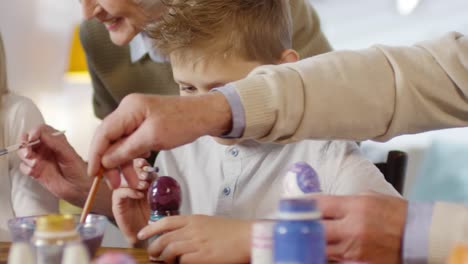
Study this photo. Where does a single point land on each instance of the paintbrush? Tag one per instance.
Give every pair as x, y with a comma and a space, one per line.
91, 195
18, 146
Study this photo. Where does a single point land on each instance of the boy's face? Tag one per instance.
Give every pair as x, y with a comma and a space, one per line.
199, 76
195, 78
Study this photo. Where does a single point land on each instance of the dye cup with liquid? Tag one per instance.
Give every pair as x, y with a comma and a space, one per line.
91, 232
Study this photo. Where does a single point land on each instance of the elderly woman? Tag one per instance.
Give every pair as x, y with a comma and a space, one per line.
19, 194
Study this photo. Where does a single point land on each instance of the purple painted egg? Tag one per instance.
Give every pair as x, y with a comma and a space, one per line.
164, 195
115, 258
300, 179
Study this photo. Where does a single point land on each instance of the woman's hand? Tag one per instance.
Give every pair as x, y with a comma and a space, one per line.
55, 164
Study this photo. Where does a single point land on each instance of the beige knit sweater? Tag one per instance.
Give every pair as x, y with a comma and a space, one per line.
376, 93
114, 75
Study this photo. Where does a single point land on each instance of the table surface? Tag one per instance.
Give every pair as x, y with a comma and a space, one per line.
138, 254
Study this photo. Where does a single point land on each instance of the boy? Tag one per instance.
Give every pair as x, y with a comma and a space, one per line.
210, 43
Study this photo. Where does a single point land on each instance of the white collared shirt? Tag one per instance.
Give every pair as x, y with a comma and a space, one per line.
141, 45
246, 180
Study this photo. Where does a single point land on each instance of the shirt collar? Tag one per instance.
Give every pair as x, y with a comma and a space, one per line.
137, 48
140, 46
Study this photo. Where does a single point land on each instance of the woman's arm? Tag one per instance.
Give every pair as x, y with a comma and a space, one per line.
28, 196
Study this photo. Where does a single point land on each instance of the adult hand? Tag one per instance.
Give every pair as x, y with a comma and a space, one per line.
199, 239
55, 164
143, 123
364, 228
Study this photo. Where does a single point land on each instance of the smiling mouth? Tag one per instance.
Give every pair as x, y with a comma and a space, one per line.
112, 24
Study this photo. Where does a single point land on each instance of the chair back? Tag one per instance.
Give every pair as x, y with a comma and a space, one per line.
394, 169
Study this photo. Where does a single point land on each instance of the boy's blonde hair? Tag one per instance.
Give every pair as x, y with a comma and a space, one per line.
255, 30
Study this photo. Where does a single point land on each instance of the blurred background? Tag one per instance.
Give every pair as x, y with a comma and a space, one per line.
40, 41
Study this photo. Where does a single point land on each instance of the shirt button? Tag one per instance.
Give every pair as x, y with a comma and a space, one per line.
226, 191
234, 152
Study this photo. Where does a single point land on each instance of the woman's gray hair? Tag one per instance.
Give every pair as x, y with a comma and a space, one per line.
152, 9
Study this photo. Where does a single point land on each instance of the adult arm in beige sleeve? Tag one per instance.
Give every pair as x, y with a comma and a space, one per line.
449, 227
376, 93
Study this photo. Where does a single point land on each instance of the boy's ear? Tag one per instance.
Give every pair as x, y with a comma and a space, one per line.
289, 55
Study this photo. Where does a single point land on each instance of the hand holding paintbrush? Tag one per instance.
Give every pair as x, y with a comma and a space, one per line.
18, 146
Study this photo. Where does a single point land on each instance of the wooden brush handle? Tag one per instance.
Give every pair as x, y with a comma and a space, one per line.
91, 195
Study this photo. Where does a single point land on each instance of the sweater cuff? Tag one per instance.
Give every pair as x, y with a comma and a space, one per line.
237, 111
258, 105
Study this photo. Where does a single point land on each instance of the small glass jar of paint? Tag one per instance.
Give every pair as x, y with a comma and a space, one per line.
52, 234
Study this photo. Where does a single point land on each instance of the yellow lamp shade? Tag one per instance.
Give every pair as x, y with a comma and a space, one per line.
77, 71
77, 59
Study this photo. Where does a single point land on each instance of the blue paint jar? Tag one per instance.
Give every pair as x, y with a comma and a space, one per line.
298, 236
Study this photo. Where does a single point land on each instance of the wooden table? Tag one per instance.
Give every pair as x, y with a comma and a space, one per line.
138, 254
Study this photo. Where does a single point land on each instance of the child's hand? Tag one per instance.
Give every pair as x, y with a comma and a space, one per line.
199, 239
144, 178
130, 207
131, 212
138, 165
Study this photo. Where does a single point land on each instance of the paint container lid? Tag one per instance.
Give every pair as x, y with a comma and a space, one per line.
55, 222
